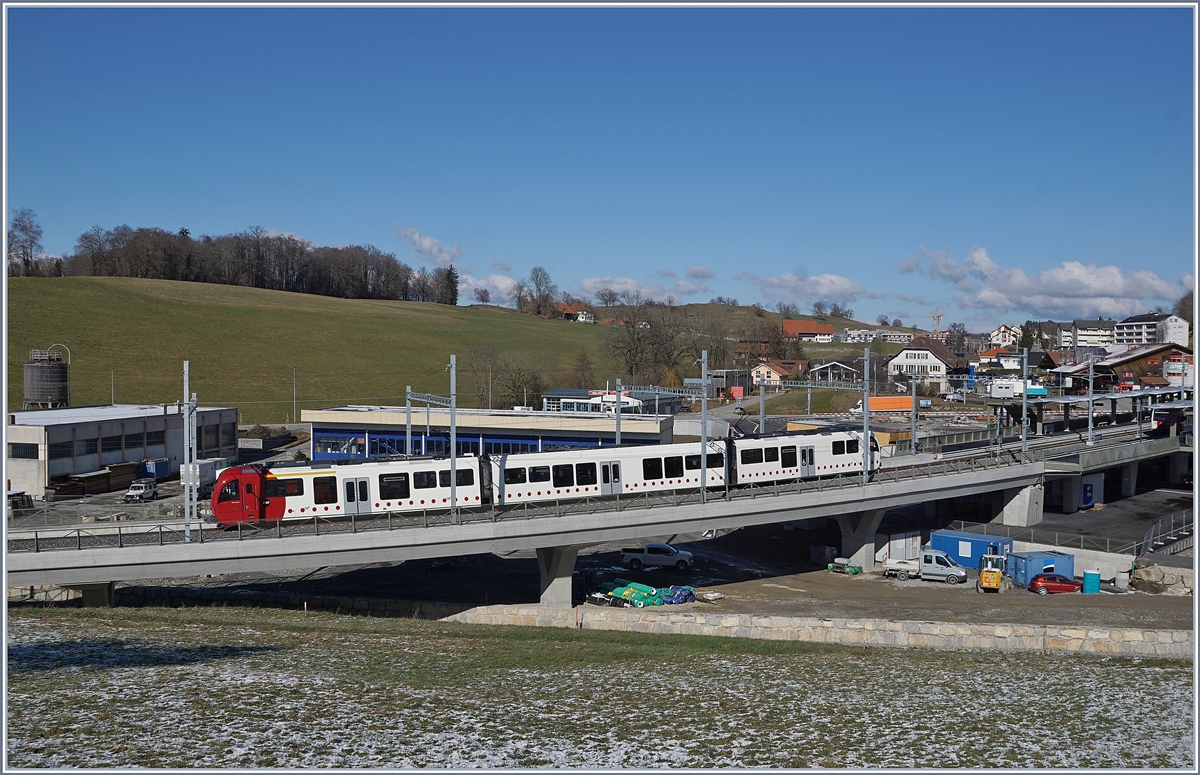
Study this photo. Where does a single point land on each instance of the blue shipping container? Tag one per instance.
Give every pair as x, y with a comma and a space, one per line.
158, 468
1023, 567
967, 548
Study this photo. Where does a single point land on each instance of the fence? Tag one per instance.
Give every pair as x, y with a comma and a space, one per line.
1170, 535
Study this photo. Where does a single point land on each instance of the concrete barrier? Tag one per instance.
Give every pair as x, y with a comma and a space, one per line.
884, 633
1125, 641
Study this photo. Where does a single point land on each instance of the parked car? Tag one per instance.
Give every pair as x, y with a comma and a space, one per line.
1045, 583
932, 565
656, 554
141, 491
204, 491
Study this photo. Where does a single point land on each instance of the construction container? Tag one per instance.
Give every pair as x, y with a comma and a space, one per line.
158, 468
1024, 566
967, 548
1091, 582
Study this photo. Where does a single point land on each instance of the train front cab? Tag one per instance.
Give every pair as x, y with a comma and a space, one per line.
238, 497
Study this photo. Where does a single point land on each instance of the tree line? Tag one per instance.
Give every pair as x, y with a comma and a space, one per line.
251, 258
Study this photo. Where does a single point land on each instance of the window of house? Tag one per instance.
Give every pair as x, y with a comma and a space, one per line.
21, 451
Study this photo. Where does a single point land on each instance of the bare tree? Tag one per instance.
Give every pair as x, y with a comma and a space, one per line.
519, 295
607, 297
543, 291
482, 296
479, 366
819, 309
896, 323
583, 373
882, 320
787, 308
24, 242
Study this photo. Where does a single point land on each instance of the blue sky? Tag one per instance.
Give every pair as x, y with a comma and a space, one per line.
998, 164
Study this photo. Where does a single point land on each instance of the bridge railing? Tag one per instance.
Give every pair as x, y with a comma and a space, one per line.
1049, 537
131, 534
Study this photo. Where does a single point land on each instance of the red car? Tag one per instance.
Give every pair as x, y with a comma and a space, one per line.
1045, 583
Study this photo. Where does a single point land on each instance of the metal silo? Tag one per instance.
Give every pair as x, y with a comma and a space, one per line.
47, 379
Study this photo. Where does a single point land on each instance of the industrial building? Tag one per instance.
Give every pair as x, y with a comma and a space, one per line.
52, 446
361, 432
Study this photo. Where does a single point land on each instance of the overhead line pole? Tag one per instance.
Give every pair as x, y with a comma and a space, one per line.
1024, 403
704, 426
453, 443
866, 437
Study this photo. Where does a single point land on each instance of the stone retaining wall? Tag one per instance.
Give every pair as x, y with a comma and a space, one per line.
852, 632
848, 632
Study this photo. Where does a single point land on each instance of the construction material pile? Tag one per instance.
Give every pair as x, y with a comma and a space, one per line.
842, 565
621, 592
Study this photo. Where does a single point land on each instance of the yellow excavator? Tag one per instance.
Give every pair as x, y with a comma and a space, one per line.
991, 575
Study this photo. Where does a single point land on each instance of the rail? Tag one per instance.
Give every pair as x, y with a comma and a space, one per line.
122, 536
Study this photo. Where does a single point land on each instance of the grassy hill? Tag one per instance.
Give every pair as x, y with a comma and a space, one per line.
243, 343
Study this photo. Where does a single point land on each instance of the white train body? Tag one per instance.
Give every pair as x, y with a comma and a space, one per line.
251, 494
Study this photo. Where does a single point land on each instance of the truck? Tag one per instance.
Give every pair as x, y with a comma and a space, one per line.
656, 555
158, 468
207, 470
931, 565
890, 404
142, 490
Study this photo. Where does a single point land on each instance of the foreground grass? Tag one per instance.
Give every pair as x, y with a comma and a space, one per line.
268, 688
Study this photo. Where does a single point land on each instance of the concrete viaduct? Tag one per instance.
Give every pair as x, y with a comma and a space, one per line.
557, 535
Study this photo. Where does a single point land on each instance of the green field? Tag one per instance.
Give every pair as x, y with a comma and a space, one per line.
243, 343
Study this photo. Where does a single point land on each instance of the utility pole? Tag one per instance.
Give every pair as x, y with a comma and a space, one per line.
408, 420
762, 406
189, 456
617, 409
453, 443
703, 426
1091, 375
912, 382
1024, 403
295, 417
866, 412
112, 376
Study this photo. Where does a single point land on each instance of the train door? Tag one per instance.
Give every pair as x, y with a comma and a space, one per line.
808, 464
358, 495
610, 477
252, 499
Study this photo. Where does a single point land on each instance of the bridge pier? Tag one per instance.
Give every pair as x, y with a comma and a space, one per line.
858, 536
1129, 479
1072, 490
96, 595
555, 565
1023, 506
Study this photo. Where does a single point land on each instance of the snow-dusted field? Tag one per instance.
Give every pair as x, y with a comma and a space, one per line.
266, 688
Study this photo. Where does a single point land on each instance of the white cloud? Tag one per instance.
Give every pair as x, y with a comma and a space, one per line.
700, 273
292, 234
500, 266
826, 287
433, 251
1073, 289
909, 265
497, 286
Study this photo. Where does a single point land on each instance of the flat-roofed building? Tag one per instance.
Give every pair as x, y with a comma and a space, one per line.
362, 432
45, 446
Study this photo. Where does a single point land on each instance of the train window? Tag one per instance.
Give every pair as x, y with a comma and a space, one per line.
249, 489
350, 491
393, 486
539, 474
851, 446
787, 457
325, 489
616, 472
673, 467
691, 462
874, 444
652, 468
716, 460
229, 492
751, 456
771, 454
839, 447
564, 476
585, 473
283, 488
364, 492
514, 476
424, 480
462, 477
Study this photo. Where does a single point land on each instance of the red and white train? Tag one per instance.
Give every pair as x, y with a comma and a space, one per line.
254, 494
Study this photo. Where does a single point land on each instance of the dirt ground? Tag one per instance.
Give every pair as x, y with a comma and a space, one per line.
761, 570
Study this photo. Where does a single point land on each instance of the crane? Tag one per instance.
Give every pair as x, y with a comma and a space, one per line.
937, 319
